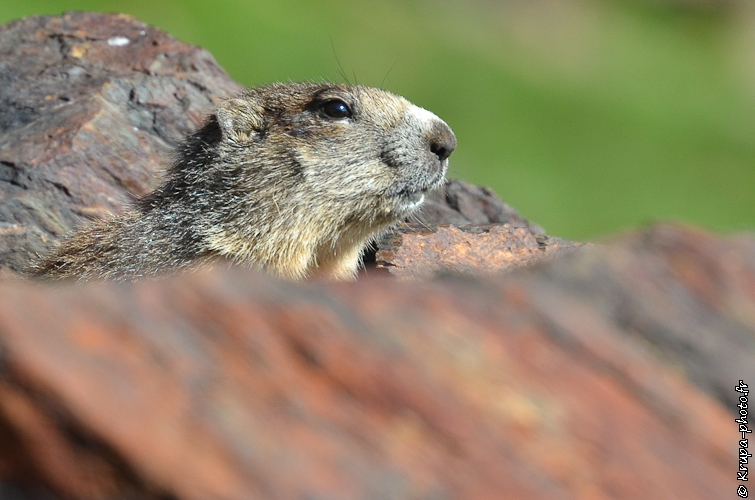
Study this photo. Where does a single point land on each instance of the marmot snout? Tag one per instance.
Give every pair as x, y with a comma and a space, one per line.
291, 178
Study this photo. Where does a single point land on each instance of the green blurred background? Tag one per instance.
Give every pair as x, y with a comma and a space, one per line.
589, 116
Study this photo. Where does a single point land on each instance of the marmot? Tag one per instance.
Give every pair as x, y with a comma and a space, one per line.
291, 178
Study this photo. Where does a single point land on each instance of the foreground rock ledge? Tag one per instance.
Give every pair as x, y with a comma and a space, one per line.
544, 383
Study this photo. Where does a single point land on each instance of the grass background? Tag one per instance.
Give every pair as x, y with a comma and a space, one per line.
589, 116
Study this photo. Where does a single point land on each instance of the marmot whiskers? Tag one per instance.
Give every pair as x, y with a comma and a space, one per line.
291, 178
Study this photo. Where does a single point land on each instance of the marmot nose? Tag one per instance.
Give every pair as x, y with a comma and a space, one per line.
442, 141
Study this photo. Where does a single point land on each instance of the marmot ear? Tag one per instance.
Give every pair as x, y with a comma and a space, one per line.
239, 119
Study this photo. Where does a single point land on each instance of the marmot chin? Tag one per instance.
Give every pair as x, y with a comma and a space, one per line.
292, 178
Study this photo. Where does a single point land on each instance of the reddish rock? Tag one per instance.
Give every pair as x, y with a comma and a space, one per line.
92, 105
463, 229
419, 251
540, 383
461, 203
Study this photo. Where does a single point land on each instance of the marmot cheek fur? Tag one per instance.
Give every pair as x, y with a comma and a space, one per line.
294, 179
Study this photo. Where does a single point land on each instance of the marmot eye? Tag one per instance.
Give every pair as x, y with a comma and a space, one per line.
336, 108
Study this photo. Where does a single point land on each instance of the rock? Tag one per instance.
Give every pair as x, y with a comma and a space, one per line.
465, 229
419, 251
546, 382
461, 203
91, 106
682, 294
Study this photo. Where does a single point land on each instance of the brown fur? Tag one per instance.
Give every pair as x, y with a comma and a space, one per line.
273, 181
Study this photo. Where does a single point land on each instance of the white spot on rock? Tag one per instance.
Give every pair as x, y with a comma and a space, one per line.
118, 41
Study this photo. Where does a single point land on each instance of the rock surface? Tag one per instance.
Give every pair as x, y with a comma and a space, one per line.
461, 204
463, 229
415, 251
90, 107
543, 383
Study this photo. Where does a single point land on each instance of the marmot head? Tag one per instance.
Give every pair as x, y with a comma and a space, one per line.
296, 178
339, 142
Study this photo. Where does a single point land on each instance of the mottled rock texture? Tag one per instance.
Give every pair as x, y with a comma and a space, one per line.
544, 383
463, 229
420, 251
461, 204
91, 106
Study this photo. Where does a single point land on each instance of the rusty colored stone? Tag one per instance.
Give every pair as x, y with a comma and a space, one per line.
461, 204
683, 293
548, 382
419, 251
464, 229
91, 106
